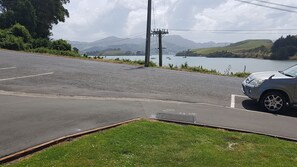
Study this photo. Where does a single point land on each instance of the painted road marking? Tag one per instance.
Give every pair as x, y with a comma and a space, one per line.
28, 76
233, 99
7, 68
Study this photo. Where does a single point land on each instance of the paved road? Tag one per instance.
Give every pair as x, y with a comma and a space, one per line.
46, 97
89, 78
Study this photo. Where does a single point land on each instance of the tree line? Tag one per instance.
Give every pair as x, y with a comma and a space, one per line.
284, 48
38, 16
27, 24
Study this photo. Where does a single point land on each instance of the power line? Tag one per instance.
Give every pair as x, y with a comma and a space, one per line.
233, 30
265, 6
278, 4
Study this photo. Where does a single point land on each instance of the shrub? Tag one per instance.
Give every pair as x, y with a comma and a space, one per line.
20, 31
8, 41
76, 50
55, 52
184, 66
41, 43
61, 45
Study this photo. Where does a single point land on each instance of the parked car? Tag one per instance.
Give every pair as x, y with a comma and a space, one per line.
274, 90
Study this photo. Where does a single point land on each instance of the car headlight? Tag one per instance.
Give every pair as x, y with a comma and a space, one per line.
256, 82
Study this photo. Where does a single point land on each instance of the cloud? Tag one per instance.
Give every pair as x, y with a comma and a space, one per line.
92, 19
233, 15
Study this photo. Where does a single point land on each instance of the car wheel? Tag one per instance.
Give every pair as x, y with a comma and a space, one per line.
274, 102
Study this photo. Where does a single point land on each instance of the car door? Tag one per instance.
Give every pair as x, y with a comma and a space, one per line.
295, 90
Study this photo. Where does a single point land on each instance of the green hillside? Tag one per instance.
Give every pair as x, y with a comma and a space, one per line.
247, 48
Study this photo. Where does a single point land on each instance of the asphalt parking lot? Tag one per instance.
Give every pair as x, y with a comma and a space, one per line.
46, 97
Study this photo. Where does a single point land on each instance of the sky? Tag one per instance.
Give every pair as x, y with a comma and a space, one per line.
197, 20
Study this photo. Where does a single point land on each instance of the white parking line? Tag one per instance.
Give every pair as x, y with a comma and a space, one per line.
7, 68
232, 101
233, 98
28, 76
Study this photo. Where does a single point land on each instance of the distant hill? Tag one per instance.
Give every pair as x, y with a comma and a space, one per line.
171, 43
247, 48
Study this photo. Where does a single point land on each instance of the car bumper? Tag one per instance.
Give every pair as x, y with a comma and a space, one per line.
251, 91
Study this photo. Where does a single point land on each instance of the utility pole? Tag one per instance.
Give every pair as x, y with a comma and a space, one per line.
148, 34
160, 33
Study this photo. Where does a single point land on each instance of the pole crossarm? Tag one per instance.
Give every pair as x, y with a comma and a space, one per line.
160, 33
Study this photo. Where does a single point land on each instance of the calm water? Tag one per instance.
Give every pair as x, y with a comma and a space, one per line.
220, 64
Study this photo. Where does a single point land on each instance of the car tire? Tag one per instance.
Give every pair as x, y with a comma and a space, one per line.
274, 102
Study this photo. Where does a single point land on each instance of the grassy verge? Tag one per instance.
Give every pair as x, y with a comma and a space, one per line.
200, 69
55, 52
146, 143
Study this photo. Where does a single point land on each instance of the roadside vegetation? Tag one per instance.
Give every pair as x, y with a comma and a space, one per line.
183, 67
147, 143
19, 38
200, 69
25, 25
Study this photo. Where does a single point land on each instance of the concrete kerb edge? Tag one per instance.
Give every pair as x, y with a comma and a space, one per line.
230, 129
34, 149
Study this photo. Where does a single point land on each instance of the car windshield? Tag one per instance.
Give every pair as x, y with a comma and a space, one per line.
291, 72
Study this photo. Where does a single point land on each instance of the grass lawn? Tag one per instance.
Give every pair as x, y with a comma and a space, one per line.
147, 143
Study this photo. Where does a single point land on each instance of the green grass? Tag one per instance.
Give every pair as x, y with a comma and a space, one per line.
146, 143
200, 69
235, 48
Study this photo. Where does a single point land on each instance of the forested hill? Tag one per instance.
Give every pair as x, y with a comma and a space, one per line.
247, 48
285, 48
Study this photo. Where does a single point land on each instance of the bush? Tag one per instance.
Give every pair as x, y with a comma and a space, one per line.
55, 52
184, 66
41, 43
61, 45
9, 41
20, 31
76, 50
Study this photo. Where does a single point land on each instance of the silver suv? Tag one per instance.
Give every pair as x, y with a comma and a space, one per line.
274, 90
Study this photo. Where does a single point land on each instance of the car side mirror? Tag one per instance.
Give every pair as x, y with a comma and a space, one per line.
271, 76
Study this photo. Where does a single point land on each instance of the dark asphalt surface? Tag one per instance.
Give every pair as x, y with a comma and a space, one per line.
82, 95
89, 78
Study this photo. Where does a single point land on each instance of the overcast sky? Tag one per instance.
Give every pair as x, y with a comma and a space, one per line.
197, 20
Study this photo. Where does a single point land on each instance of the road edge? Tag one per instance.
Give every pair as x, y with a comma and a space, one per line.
37, 148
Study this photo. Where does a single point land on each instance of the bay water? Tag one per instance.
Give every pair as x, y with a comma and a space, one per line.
222, 65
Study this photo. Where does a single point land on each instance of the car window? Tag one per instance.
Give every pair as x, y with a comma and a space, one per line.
292, 71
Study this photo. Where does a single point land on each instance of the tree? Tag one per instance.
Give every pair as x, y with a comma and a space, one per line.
75, 49
284, 48
18, 11
37, 16
49, 12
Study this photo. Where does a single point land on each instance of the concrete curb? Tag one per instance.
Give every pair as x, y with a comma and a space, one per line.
229, 129
45, 145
